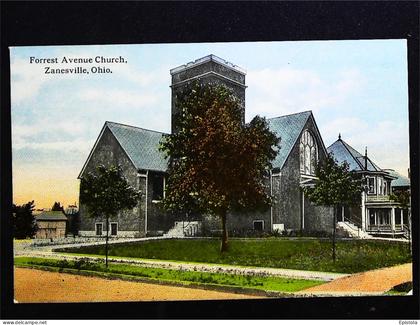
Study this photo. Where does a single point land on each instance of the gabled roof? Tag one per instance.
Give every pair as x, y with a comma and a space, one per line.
288, 128
342, 151
141, 146
400, 181
51, 216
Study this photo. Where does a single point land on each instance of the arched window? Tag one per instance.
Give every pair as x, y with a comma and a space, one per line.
308, 153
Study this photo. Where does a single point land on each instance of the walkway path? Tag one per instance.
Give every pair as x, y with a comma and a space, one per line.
366, 283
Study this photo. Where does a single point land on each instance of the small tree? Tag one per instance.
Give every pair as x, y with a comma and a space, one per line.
217, 163
105, 192
24, 223
57, 207
335, 186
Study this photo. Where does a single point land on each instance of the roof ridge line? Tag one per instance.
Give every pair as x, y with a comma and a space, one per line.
135, 127
271, 118
346, 145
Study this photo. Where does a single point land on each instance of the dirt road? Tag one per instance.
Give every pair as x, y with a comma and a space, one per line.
376, 281
42, 286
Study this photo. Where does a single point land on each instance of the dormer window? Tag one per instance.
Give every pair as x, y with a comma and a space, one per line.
308, 153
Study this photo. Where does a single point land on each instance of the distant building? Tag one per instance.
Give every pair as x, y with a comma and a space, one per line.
71, 209
51, 224
377, 214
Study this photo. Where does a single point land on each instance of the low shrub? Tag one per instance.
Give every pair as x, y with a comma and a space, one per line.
403, 287
64, 264
249, 233
266, 283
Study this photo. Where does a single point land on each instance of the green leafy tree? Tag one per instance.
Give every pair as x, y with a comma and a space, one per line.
217, 163
335, 186
403, 197
105, 192
57, 207
24, 223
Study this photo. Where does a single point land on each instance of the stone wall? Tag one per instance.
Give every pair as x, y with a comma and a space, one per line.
242, 221
120, 234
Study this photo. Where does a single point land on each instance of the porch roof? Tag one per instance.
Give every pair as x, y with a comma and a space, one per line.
400, 181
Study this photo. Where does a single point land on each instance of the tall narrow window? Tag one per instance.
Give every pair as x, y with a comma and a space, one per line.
371, 185
158, 187
114, 228
98, 229
380, 188
308, 153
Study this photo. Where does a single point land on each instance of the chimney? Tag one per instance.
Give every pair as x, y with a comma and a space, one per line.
366, 158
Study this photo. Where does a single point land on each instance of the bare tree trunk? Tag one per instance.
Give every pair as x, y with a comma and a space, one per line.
334, 232
106, 242
224, 245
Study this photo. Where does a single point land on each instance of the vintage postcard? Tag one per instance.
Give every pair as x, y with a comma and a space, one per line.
161, 172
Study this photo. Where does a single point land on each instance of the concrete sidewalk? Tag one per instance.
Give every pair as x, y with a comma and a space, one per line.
375, 282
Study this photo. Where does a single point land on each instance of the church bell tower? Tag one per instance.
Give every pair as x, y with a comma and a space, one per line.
209, 69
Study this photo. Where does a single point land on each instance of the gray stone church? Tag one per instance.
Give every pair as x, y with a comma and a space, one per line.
136, 150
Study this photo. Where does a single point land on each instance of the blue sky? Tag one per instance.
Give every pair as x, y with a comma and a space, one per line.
356, 88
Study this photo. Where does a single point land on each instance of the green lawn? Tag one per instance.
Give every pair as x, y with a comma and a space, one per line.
254, 282
304, 254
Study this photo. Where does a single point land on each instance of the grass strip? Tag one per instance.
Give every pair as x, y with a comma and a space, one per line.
303, 254
243, 281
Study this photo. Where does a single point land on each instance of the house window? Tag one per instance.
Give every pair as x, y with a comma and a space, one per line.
98, 229
158, 187
259, 225
308, 153
372, 217
384, 216
371, 185
114, 228
380, 186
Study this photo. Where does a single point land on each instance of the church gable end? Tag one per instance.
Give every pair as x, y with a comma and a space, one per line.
108, 151
292, 210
